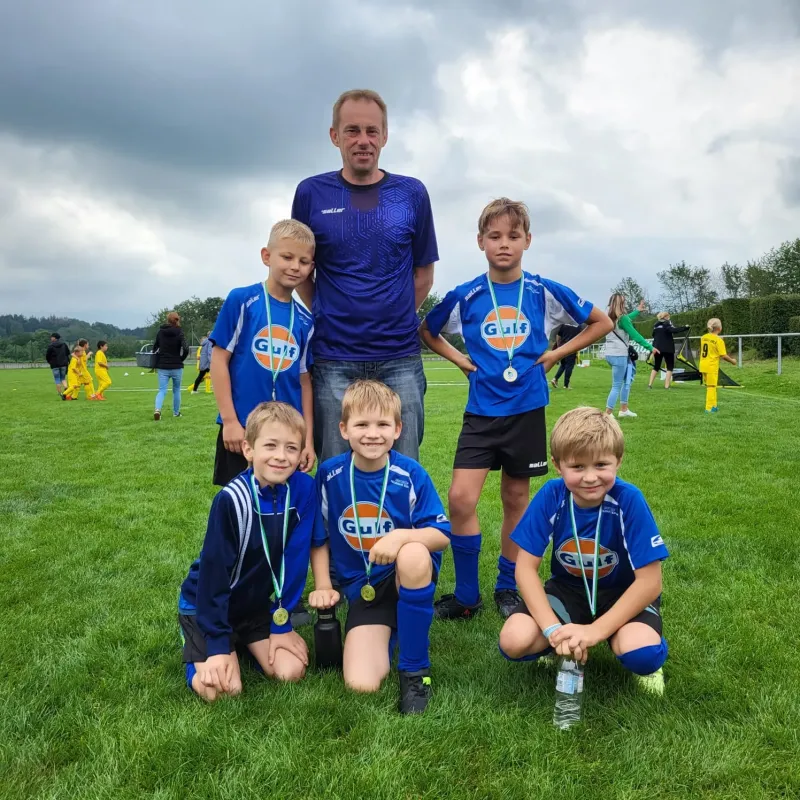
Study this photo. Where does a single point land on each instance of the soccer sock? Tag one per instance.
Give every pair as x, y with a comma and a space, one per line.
529, 657
645, 660
414, 618
466, 550
505, 575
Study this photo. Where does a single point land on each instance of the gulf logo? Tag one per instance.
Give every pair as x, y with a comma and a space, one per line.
284, 346
371, 531
493, 334
567, 557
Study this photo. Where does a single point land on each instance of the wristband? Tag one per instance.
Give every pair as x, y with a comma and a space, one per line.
551, 629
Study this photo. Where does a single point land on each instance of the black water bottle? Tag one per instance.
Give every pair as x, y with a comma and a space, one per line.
328, 640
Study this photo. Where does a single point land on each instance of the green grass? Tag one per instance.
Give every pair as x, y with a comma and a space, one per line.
102, 511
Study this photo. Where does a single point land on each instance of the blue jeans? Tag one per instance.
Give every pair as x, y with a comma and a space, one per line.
405, 375
164, 377
621, 377
59, 374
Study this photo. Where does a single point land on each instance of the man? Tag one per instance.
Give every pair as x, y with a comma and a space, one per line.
57, 356
376, 247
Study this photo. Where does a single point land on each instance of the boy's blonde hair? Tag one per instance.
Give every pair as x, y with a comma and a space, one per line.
281, 413
662, 315
359, 94
714, 324
291, 229
586, 431
515, 210
367, 395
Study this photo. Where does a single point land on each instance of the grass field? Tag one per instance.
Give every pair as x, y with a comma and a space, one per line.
102, 510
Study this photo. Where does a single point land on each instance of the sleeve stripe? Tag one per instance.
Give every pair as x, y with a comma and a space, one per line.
238, 331
244, 514
554, 313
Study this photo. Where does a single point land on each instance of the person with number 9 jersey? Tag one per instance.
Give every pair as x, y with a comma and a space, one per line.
506, 316
386, 528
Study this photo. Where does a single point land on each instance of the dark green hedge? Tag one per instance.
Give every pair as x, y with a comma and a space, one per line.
771, 315
793, 342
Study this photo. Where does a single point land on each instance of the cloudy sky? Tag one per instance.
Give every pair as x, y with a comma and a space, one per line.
146, 148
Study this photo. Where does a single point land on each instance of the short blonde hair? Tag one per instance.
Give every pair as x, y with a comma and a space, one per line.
714, 324
515, 210
359, 94
280, 413
662, 315
368, 395
291, 229
586, 430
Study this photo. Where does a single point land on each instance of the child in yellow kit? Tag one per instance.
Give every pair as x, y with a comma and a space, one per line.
86, 376
101, 369
712, 349
74, 374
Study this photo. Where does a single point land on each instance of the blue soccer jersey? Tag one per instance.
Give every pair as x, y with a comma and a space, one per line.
242, 329
411, 502
369, 239
629, 537
468, 309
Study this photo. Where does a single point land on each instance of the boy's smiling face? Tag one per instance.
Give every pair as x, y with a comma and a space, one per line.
290, 262
588, 476
371, 433
274, 454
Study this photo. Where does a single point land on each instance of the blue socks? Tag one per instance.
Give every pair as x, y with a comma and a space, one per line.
466, 550
414, 618
645, 660
529, 657
505, 575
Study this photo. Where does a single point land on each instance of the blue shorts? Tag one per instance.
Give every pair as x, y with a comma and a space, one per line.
59, 374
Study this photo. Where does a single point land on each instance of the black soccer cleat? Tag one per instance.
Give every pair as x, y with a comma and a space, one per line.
447, 607
300, 616
415, 691
506, 601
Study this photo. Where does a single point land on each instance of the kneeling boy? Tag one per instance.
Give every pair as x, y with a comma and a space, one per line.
606, 561
386, 528
253, 565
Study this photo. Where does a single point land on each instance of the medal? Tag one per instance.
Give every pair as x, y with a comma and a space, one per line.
274, 372
280, 616
510, 374
591, 596
367, 591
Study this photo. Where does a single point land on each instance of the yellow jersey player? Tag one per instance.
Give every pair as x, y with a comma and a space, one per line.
712, 349
86, 376
74, 374
101, 369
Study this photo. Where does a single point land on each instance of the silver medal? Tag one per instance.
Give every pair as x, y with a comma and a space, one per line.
510, 374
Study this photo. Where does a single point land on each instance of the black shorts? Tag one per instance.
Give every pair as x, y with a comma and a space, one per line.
569, 604
380, 611
227, 465
246, 632
669, 360
517, 444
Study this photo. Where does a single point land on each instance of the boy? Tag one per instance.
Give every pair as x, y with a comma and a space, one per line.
203, 364
74, 374
86, 376
504, 421
613, 590
101, 369
385, 530
253, 565
260, 348
712, 349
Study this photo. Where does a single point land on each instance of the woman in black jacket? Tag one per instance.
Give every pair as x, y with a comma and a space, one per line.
171, 350
664, 344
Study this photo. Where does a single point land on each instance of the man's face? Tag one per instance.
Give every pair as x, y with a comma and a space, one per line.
360, 136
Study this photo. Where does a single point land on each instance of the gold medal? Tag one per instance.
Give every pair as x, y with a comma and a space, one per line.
368, 592
280, 616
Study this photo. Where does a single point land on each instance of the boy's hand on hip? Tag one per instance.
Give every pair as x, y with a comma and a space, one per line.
466, 366
292, 642
547, 360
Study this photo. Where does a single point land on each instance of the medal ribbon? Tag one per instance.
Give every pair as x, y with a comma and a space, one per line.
509, 350
367, 562
278, 586
591, 596
274, 372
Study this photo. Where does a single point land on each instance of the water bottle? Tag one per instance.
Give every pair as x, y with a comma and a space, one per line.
569, 694
327, 640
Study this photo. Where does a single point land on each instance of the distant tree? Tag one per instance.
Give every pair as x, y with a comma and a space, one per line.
687, 288
633, 293
733, 280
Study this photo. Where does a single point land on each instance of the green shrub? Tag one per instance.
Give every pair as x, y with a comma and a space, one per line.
793, 342
771, 315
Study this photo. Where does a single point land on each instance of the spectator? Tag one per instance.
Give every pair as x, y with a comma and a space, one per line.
664, 344
57, 356
171, 350
564, 334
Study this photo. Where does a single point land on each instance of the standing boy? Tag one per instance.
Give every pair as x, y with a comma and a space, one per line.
101, 369
86, 376
712, 349
261, 340
386, 528
203, 364
605, 567
74, 374
505, 316
254, 561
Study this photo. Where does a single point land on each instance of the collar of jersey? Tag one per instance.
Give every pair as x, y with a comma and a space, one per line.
360, 187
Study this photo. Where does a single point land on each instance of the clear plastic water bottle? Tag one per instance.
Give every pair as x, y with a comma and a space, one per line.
569, 694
